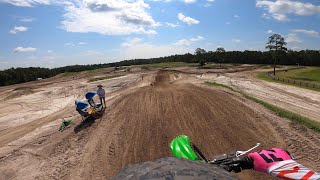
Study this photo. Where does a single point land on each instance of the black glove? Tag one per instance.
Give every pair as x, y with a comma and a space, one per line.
237, 164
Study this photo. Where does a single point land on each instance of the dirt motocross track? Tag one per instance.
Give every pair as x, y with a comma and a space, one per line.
139, 125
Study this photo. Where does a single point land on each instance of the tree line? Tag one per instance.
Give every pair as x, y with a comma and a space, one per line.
21, 75
303, 57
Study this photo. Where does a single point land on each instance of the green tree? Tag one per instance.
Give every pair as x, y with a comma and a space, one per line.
199, 51
200, 55
220, 50
220, 53
276, 45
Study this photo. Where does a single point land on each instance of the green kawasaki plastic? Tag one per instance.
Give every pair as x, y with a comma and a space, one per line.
181, 148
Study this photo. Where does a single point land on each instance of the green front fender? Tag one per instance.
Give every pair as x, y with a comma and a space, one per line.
181, 148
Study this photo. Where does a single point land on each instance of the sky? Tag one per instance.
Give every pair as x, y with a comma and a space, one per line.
54, 33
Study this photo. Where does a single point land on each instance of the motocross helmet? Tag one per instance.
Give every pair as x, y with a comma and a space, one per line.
181, 148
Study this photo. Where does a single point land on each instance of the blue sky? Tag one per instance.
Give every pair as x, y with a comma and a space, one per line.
52, 33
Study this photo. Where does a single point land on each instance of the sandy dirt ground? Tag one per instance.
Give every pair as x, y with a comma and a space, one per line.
298, 100
145, 111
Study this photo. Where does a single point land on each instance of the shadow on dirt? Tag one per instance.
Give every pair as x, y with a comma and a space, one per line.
87, 122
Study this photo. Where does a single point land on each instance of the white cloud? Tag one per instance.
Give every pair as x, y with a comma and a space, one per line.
293, 39
269, 31
131, 42
190, 1
112, 17
307, 32
69, 44
150, 32
236, 40
72, 44
280, 9
17, 29
188, 42
147, 50
26, 49
27, 19
4, 62
266, 16
236, 16
187, 19
91, 53
82, 43
198, 38
50, 51
48, 58
209, 3
296, 48
171, 24
183, 42
161, 0
26, 3
228, 23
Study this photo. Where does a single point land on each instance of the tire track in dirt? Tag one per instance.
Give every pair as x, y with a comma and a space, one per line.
11, 134
303, 143
139, 126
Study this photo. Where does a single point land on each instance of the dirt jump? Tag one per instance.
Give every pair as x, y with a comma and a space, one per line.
139, 125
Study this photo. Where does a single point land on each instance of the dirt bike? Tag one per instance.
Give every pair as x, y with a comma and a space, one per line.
236, 161
95, 111
92, 110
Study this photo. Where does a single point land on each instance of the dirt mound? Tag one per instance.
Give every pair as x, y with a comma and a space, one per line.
162, 78
20, 91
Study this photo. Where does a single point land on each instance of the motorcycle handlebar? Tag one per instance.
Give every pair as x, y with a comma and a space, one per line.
229, 162
235, 164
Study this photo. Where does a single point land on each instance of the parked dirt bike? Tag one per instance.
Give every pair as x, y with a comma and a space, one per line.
95, 111
233, 161
90, 109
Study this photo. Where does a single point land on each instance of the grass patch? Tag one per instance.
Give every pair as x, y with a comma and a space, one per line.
98, 71
105, 77
287, 114
86, 72
308, 74
279, 111
215, 66
64, 124
67, 74
218, 84
219, 66
263, 76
